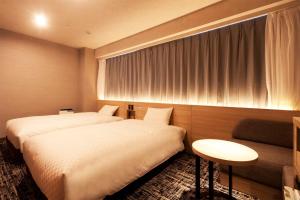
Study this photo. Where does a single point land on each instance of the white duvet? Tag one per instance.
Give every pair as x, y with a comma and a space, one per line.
94, 161
18, 130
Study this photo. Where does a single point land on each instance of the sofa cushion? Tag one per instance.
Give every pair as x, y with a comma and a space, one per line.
268, 132
268, 168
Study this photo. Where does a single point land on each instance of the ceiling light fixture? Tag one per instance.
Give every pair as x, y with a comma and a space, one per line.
40, 20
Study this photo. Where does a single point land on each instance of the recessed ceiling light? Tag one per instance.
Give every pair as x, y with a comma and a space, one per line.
40, 20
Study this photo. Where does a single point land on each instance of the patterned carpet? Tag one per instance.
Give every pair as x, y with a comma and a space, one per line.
168, 182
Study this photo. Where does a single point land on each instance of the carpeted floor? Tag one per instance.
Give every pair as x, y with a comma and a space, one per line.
168, 182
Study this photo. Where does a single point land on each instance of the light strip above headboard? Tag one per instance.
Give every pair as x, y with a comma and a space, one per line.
244, 105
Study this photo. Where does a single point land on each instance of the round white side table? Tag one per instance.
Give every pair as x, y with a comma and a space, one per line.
223, 152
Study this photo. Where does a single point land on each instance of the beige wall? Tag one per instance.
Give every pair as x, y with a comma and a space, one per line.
216, 15
36, 77
88, 79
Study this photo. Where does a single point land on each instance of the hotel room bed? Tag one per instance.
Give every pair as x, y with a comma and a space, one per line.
94, 161
18, 130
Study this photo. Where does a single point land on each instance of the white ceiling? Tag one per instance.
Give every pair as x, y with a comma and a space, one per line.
106, 20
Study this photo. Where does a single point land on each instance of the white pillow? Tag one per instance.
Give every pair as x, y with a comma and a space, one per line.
158, 115
108, 110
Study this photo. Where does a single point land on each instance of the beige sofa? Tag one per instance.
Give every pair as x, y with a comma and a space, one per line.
273, 142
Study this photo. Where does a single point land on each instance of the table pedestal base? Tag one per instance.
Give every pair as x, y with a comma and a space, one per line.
191, 195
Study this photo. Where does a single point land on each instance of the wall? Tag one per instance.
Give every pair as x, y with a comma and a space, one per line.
216, 15
36, 77
88, 79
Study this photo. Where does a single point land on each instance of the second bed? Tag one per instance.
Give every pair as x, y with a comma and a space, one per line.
20, 129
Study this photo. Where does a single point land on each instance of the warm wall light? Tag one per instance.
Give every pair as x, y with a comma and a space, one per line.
232, 105
40, 20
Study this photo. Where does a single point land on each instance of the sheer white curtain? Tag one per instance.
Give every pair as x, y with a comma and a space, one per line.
101, 79
224, 67
283, 58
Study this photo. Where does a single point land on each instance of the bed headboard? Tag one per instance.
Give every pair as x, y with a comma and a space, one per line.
181, 114
205, 121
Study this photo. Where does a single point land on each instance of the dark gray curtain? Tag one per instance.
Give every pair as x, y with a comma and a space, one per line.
225, 66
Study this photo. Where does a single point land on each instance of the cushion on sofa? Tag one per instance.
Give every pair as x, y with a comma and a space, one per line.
268, 132
268, 168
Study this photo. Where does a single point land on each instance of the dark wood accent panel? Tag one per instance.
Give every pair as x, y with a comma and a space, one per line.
205, 121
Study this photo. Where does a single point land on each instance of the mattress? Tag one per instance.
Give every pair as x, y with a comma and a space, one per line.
18, 130
94, 161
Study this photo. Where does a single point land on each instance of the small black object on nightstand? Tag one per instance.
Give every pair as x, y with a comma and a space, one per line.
130, 112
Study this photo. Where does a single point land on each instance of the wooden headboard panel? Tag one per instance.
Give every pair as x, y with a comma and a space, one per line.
205, 121
181, 114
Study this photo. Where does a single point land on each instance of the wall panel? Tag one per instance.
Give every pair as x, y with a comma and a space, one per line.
37, 77
206, 121
88, 79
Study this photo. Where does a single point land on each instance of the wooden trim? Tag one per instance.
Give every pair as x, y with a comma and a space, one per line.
211, 17
205, 121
